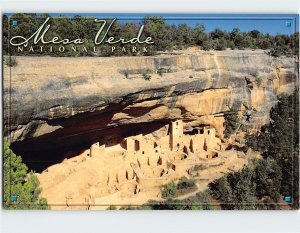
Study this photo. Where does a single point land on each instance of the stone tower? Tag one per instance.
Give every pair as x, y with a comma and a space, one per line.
176, 135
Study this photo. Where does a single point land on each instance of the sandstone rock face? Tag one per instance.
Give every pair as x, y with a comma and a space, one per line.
63, 103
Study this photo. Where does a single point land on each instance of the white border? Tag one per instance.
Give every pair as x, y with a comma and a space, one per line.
148, 221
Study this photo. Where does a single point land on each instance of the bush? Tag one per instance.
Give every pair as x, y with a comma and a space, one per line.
10, 61
112, 207
169, 190
220, 44
199, 167
207, 45
161, 71
278, 51
147, 76
125, 72
185, 183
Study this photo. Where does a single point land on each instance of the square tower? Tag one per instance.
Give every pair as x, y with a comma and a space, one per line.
176, 134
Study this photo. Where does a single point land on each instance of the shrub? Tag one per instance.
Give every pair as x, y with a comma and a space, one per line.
161, 71
10, 61
147, 76
168, 190
185, 183
207, 45
126, 73
199, 167
220, 44
112, 207
278, 51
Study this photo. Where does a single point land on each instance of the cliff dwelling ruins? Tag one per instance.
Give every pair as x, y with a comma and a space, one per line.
138, 165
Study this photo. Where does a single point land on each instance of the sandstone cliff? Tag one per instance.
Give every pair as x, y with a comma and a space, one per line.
62, 103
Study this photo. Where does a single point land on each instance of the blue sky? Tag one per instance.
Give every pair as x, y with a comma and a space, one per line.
265, 23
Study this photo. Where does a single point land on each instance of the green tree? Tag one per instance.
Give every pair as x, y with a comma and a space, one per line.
207, 45
255, 34
268, 177
221, 190
157, 28
231, 123
200, 35
279, 144
237, 37
169, 190
217, 34
220, 44
18, 182
243, 188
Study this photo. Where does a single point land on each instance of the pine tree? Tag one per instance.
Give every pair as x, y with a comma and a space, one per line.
18, 182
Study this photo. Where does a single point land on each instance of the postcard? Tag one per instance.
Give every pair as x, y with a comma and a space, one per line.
150, 111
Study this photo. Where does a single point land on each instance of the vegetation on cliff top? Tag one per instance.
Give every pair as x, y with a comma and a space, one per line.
166, 37
18, 182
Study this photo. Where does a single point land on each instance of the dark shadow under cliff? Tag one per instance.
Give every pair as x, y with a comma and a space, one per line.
42, 152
